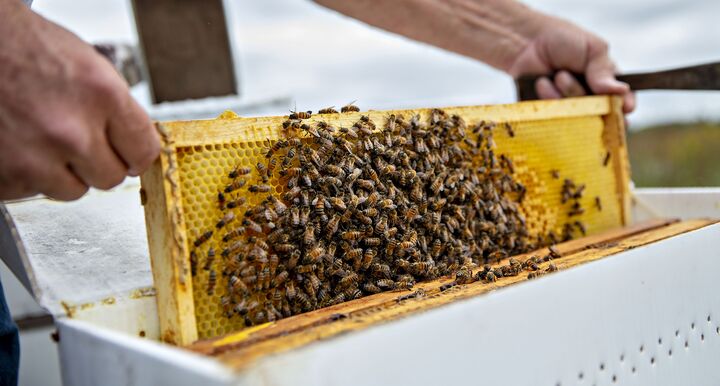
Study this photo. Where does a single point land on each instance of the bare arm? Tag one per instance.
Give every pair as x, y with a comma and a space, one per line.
67, 120
502, 33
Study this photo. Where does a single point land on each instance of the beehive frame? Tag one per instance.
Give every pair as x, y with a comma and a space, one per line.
571, 135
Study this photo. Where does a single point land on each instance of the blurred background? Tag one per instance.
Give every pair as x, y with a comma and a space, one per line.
293, 53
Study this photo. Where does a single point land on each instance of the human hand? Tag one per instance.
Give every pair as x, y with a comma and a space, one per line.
561, 47
67, 120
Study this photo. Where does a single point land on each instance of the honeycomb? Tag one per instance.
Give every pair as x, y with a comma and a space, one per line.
573, 146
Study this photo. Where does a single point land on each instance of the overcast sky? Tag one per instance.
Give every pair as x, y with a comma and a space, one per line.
295, 48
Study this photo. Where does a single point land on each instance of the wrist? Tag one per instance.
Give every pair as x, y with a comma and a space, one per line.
499, 31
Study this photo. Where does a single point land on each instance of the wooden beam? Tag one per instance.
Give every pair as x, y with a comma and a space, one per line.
164, 221
186, 48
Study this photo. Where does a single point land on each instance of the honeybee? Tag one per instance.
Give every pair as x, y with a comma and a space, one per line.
437, 185
490, 277
353, 254
315, 254
387, 204
303, 300
352, 235
350, 279
315, 283
280, 278
576, 211
338, 203
312, 130
252, 225
280, 207
580, 226
235, 185
309, 236
210, 258
350, 107
555, 173
411, 214
295, 216
509, 129
290, 291
367, 259
421, 267
272, 312
275, 147
238, 171
304, 216
404, 284
354, 175
406, 245
272, 163
212, 280
294, 258
368, 185
259, 317
328, 110
237, 285
229, 216
240, 201
300, 114
261, 168
371, 288
203, 238
264, 278
193, 262
598, 203
464, 275
606, 160
221, 200
259, 188
403, 264
293, 193
381, 270
372, 242
349, 132
332, 225
385, 284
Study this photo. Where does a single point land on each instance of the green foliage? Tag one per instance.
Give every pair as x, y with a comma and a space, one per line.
676, 155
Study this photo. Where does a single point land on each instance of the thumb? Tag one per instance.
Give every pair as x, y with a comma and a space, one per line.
600, 75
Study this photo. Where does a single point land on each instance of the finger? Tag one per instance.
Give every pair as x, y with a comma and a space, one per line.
546, 89
600, 75
629, 102
568, 85
133, 137
56, 180
103, 168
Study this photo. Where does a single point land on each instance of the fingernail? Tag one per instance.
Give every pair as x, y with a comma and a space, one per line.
618, 84
133, 172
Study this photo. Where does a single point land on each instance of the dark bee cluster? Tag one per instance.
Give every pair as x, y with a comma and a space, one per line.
514, 267
361, 210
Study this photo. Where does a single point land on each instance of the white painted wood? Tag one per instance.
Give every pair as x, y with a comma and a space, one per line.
87, 250
683, 203
91, 356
